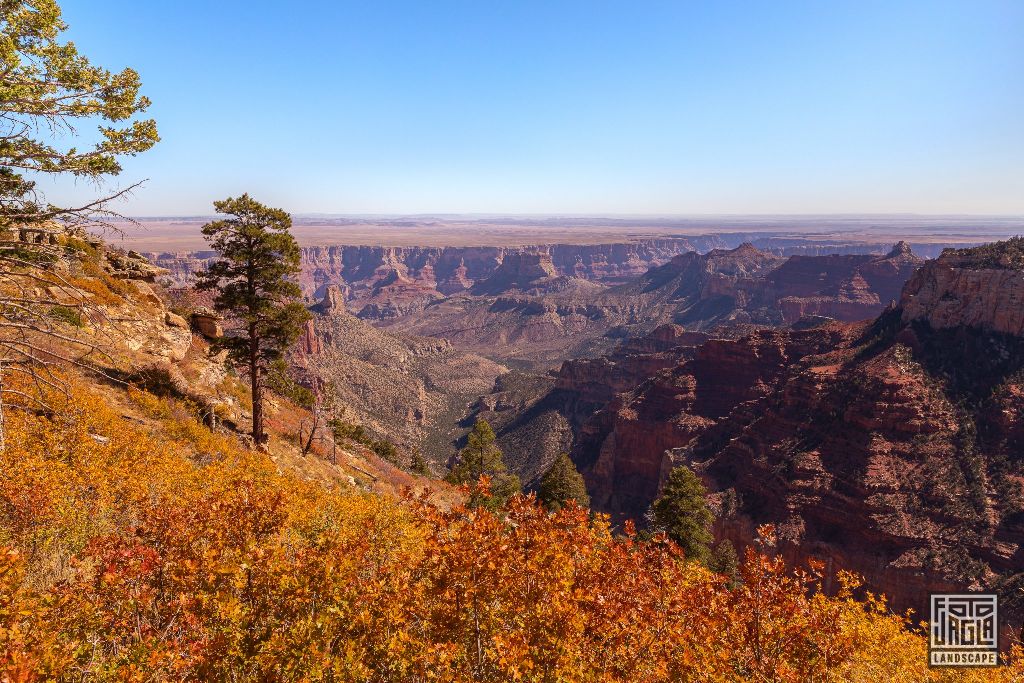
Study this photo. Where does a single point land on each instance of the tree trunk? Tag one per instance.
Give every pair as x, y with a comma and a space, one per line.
3, 426
258, 437
312, 433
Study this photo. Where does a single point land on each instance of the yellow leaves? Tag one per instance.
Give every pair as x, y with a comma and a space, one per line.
130, 561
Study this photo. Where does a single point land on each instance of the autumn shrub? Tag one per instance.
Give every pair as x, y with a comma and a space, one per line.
127, 559
101, 285
67, 314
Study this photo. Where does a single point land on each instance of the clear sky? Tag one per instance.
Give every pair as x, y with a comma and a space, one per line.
573, 107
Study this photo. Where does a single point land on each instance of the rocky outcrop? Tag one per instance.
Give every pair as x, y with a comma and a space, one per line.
132, 265
520, 270
844, 287
207, 323
962, 288
332, 301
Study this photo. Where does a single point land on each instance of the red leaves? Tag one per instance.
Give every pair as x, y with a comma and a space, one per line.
229, 571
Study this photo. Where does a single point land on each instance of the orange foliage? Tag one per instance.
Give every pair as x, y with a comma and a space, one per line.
171, 554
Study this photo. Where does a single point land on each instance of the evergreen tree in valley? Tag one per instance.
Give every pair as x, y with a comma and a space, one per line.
682, 513
418, 463
562, 483
254, 281
481, 456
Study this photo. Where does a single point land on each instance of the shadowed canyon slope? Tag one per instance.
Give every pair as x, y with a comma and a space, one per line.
414, 391
892, 448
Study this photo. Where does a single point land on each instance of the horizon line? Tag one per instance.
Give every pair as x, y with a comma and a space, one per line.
666, 216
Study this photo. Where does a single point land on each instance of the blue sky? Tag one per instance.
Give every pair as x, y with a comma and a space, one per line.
573, 107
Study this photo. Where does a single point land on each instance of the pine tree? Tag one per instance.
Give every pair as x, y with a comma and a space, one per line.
48, 89
255, 287
682, 513
481, 456
562, 483
725, 561
50, 96
418, 464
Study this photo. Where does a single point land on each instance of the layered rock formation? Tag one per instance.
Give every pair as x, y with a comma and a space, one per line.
893, 448
751, 286
537, 306
846, 287
623, 449
704, 289
455, 269
978, 287
522, 271
525, 313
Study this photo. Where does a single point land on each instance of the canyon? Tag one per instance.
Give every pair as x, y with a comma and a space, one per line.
536, 306
872, 446
419, 341
825, 394
411, 390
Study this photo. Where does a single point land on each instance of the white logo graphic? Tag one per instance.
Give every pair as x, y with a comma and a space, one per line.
964, 630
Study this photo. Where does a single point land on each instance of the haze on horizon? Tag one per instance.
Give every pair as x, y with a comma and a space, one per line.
573, 108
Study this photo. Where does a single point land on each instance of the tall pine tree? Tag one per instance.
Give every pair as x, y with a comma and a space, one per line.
254, 281
481, 456
562, 483
682, 513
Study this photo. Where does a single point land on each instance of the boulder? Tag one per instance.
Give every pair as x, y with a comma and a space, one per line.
207, 323
145, 294
132, 266
175, 320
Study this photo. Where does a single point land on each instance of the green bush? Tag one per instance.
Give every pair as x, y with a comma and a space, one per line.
346, 431
67, 314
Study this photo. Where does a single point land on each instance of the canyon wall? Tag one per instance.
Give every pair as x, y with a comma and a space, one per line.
892, 448
963, 288
455, 269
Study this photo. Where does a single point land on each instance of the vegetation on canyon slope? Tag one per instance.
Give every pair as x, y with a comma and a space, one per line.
1008, 254
481, 458
165, 552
